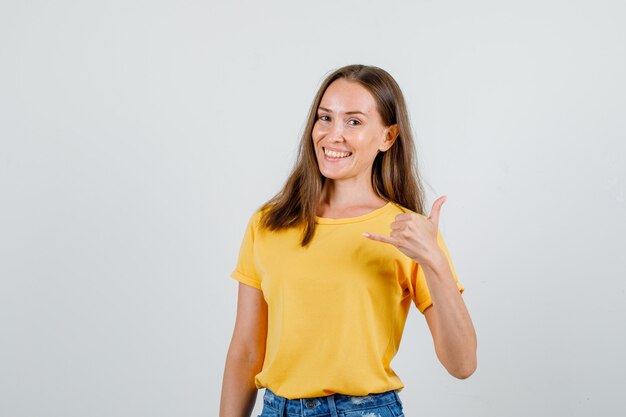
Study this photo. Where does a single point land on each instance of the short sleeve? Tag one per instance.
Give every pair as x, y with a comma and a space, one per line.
417, 282
245, 270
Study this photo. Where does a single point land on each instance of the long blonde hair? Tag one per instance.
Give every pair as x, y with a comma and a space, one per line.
395, 175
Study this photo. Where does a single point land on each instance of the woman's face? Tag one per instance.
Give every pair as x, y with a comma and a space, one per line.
349, 132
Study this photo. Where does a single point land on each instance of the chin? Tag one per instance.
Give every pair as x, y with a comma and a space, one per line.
333, 177
326, 173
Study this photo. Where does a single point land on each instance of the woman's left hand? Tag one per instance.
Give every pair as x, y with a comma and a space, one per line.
413, 235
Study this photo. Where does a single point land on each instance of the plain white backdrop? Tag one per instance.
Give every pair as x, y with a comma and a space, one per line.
137, 137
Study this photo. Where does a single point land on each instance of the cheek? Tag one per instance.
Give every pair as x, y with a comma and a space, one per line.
316, 134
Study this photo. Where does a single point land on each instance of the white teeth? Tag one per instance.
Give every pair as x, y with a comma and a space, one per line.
334, 154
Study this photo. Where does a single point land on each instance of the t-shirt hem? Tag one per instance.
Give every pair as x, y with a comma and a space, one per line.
245, 279
427, 303
291, 396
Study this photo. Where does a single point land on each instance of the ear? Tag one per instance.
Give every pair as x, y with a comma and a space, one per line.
391, 134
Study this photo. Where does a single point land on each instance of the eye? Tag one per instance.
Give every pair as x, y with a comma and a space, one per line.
354, 120
322, 118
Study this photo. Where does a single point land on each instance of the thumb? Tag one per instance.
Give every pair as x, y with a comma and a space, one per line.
436, 210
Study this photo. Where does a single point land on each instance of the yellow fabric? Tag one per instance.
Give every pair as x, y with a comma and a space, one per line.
336, 309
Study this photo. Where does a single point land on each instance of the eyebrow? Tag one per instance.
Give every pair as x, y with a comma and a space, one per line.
348, 112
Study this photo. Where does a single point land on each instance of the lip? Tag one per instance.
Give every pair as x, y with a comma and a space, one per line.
335, 149
335, 160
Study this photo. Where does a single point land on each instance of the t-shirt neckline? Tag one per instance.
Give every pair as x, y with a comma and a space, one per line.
373, 213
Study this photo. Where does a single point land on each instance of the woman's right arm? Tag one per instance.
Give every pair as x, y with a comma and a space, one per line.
245, 354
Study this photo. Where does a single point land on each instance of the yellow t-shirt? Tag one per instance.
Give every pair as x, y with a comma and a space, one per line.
337, 308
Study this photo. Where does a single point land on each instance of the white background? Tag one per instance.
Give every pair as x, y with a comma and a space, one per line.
137, 137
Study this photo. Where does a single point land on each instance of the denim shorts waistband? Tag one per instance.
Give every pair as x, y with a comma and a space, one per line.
323, 405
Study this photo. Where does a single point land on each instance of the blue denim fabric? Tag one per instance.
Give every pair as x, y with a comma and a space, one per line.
384, 404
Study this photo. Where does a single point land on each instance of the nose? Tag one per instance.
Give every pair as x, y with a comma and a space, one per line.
335, 132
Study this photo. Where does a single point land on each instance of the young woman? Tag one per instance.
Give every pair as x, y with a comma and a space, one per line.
329, 267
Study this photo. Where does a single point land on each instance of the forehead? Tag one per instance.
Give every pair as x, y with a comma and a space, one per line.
343, 95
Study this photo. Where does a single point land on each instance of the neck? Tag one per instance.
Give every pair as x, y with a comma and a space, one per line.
349, 193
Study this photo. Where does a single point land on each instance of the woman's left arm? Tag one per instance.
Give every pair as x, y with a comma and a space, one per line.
449, 321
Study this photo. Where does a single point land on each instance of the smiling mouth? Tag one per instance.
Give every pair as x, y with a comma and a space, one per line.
336, 155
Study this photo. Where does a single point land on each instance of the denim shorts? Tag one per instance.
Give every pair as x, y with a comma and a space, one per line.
384, 404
